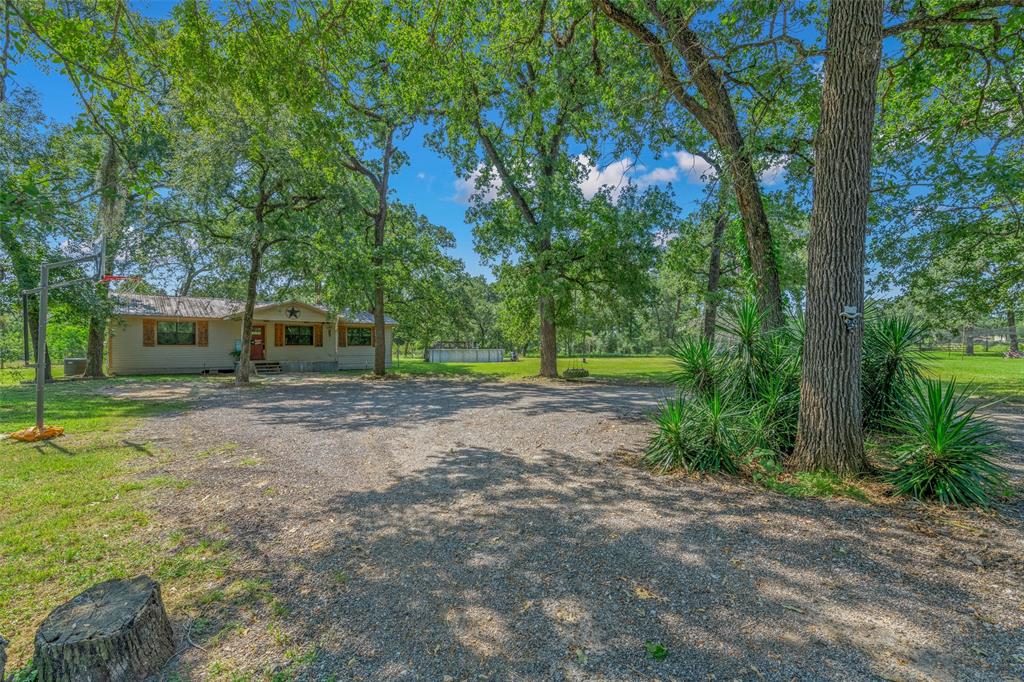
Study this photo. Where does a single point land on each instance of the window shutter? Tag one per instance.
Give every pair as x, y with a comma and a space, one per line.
373, 336
148, 332
342, 335
278, 334
318, 335
202, 333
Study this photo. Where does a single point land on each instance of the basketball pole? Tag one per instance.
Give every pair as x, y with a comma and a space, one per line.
44, 290
97, 258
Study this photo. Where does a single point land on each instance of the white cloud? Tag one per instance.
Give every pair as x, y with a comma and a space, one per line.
466, 188
421, 176
774, 174
658, 175
663, 237
696, 169
615, 176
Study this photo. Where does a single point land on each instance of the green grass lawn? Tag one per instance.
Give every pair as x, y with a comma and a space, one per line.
991, 375
12, 376
72, 509
642, 369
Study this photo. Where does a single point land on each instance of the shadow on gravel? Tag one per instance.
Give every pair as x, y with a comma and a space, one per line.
495, 565
551, 562
355, 404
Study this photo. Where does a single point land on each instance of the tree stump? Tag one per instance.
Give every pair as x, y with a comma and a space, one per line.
115, 631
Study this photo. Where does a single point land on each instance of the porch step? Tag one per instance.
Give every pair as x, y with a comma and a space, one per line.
267, 367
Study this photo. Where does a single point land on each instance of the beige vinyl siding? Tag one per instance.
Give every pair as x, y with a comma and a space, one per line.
129, 356
361, 357
279, 313
276, 353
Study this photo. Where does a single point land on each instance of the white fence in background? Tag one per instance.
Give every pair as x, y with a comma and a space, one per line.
465, 354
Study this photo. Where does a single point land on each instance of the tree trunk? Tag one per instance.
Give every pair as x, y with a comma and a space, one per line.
94, 348
1011, 322
26, 272
186, 284
675, 317
758, 234
548, 340
116, 631
380, 331
33, 332
379, 225
380, 340
5, 54
714, 275
245, 368
111, 212
718, 117
968, 341
725, 128
829, 431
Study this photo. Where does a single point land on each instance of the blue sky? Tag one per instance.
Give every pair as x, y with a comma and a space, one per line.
428, 180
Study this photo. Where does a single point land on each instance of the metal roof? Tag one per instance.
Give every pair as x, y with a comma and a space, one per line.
363, 317
142, 305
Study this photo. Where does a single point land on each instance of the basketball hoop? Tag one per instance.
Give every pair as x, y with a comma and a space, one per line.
127, 285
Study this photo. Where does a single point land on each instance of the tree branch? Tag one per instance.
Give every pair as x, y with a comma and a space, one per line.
952, 16
661, 57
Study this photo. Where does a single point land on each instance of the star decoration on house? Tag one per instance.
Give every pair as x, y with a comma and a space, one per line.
293, 312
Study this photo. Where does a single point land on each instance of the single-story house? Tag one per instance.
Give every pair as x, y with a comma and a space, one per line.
166, 334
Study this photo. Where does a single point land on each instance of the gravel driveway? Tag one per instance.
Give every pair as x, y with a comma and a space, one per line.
441, 529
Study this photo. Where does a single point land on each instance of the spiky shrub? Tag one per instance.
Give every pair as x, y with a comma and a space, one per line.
773, 413
743, 395
740, 399
696, 434
794, 331
671, 444
891, 365
945, 452
701, 367
766, 377
742, 322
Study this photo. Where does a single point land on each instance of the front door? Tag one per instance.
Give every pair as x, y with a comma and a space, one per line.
257, 347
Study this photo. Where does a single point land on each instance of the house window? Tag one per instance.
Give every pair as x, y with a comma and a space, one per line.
359, 336
176, 333
298, 336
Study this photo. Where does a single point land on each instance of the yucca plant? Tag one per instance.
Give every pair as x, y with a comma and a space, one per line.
702, 368
696, 434
671, 444
892, 364
776, 354
735, 398
794, 331
945, 452
773, 414
743, 322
